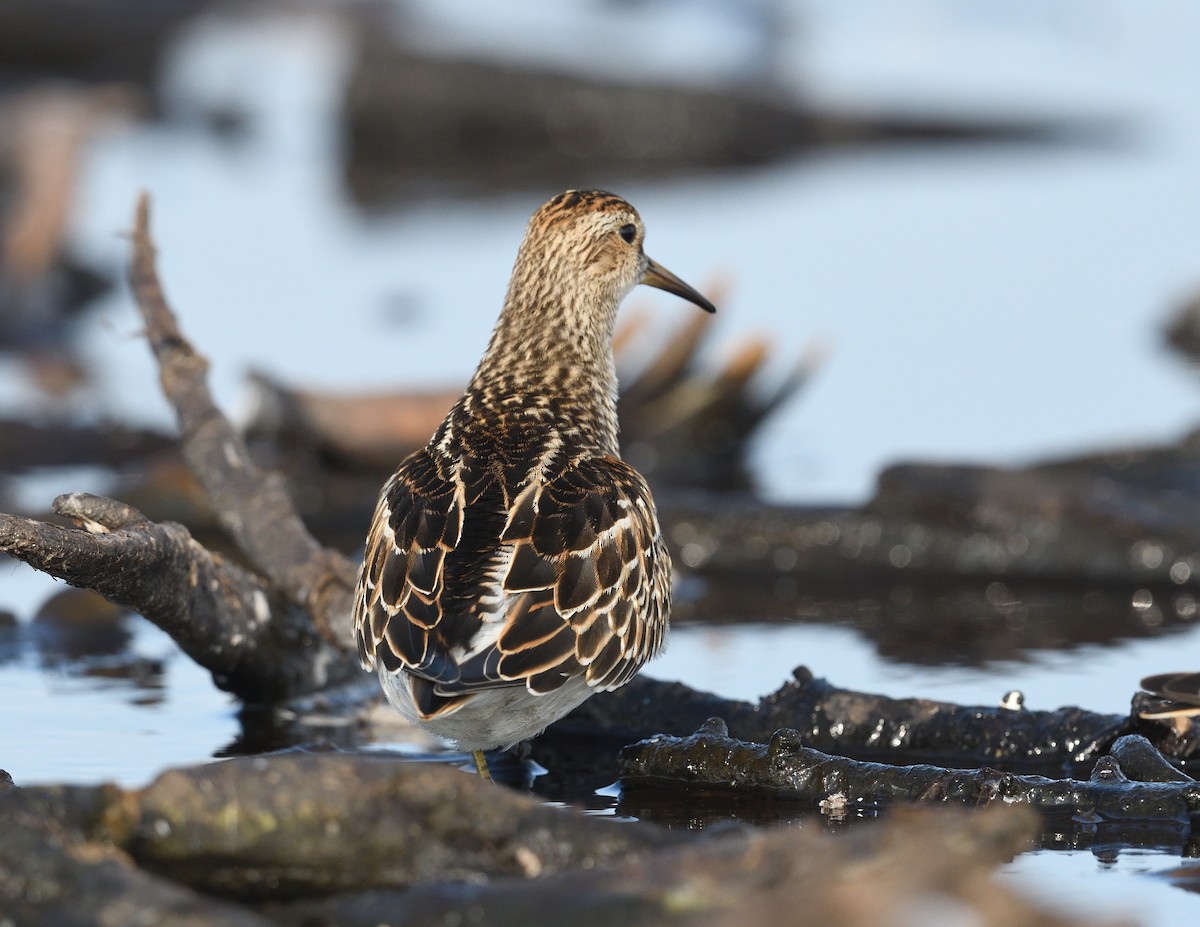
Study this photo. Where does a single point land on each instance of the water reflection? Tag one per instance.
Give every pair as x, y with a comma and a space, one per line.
934, 622
76, 626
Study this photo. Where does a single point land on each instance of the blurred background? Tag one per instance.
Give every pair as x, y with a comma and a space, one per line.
962, 227
984, 213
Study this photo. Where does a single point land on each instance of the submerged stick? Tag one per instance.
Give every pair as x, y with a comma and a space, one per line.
710, 758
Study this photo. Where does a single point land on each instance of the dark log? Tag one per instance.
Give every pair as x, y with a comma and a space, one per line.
870, 726
1182, 330
28, 446
710, 758
59, 866
960, 522
415, 122
98, 41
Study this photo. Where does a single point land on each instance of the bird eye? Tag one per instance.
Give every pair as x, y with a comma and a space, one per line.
628, 233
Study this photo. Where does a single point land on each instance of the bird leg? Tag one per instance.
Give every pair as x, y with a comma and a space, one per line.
481, 765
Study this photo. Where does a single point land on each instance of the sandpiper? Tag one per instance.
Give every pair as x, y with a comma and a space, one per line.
514, 565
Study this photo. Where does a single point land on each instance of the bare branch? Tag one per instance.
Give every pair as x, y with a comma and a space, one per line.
255, 642
252, 506
710, 758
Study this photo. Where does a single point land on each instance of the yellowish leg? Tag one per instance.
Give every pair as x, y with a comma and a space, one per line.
481, 765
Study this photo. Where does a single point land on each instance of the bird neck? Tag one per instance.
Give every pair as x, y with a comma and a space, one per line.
549, 368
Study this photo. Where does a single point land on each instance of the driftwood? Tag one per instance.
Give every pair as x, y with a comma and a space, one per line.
253, 507
256, 642
785, 766
368, 432
329, 839
1068, 740
1140, 761
1052, 524
28, 446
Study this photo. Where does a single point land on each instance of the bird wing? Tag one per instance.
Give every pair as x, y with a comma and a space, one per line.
593, 575
398, 605
578, 570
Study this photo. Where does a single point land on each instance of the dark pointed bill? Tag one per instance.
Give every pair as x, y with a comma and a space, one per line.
658, 276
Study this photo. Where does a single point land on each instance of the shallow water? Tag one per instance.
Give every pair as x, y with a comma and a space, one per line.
984, 303
85, 729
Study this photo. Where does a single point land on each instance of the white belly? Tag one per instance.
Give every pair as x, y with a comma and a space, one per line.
492, 718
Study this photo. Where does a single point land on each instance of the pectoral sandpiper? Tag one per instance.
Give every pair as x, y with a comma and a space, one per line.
515, 565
